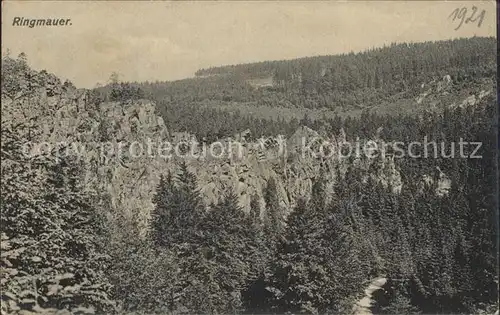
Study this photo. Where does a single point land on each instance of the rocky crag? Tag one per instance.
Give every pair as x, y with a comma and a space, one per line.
112, 141
440, 93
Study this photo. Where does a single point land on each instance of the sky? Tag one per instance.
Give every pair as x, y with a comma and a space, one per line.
156, 40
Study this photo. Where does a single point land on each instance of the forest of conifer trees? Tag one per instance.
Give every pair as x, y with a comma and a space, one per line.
65, 247
343, 83
438, 252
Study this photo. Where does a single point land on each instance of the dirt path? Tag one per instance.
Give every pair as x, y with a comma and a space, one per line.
362, 307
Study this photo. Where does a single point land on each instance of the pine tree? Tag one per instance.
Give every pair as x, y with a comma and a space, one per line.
273, 216
228, 240
178, 210
161, 218
51, 253
255, 297
258, 250
310, 272
176, 229
255, 212
318, 194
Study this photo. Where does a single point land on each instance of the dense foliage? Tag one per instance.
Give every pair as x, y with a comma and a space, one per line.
354, 80
361, 79
52, 256
438, 251
347, 84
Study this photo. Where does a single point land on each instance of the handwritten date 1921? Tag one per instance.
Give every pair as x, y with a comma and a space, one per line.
463, 16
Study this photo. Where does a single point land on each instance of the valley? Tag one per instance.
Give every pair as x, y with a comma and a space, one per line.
272, 231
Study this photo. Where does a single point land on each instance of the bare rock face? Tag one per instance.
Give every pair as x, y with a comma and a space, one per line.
436, 87
120, 146
469, 101
483, 94
444, 84
444, 92
440, 182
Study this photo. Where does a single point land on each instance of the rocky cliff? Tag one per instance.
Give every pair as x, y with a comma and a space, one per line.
119, 146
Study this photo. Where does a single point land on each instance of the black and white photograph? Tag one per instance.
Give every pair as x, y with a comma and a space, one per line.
249, 157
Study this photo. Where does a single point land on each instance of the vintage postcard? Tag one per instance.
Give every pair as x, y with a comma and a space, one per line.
249, 157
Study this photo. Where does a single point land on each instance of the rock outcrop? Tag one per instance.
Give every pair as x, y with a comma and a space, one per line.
443, 92
121, 145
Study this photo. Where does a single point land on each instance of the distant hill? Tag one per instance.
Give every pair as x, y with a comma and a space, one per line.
356, 79
347, 81
377, 65
397, 79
